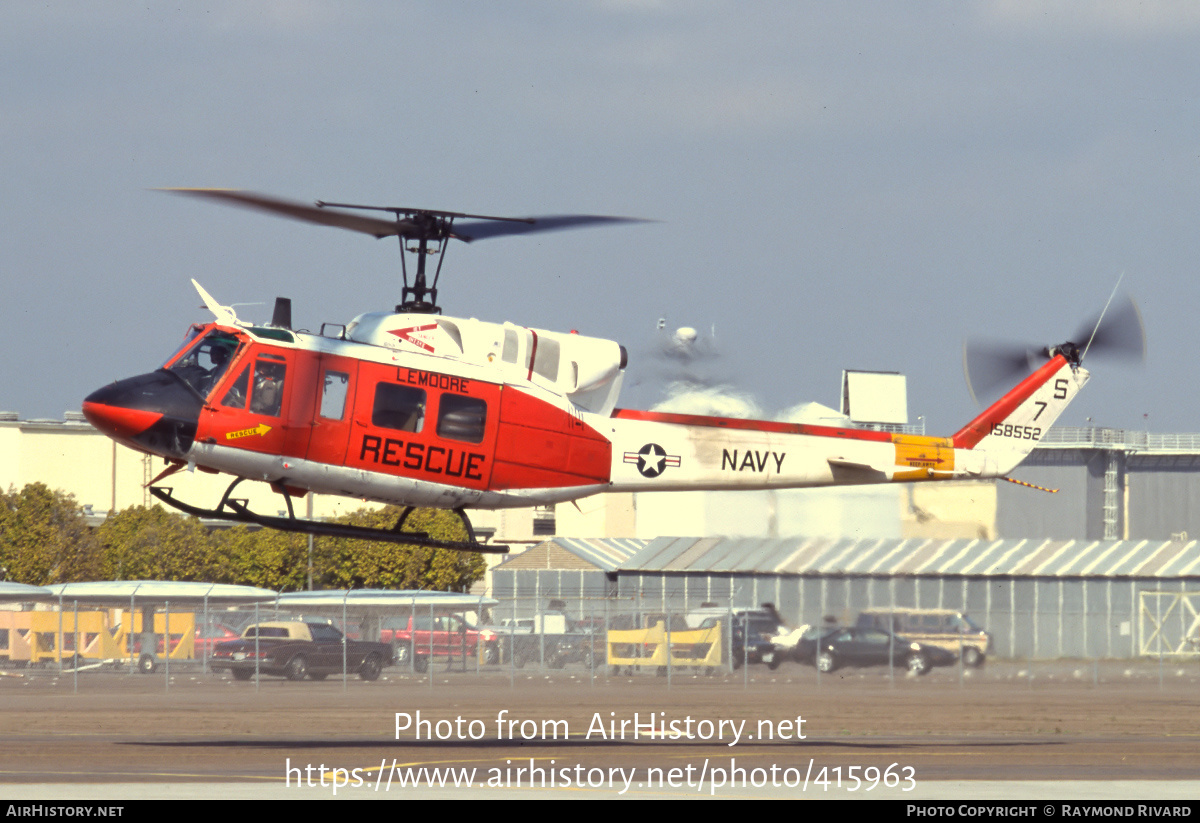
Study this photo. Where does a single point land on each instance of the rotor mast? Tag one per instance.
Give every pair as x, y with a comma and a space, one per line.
431, 230
412, 298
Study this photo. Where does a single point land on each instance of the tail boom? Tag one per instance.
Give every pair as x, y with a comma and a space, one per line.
656, 451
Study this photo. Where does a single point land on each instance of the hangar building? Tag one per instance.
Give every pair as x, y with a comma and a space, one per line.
1038, 598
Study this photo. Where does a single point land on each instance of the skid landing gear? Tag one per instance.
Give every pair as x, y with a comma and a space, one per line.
237, 511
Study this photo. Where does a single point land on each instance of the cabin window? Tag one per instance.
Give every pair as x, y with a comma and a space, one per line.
267, 396
509, 353
545, 362
333, 400
461, 418
235, 397
271, 333
399, 407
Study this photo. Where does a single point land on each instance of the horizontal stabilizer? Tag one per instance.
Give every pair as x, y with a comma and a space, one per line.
853, 471
843, 463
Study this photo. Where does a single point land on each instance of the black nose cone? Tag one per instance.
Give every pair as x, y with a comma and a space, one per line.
154, 412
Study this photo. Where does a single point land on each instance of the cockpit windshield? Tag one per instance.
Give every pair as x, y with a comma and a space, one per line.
192, 333
202, 366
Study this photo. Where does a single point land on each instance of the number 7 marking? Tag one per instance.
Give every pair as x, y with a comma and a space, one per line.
1040, 410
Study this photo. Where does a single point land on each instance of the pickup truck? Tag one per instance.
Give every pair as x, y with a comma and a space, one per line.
295, 649
416, 638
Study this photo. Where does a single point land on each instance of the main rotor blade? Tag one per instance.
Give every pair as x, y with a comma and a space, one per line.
468, 230
302, 211
481, 230
1121, 333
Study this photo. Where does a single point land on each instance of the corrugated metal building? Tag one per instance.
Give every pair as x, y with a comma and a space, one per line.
1038, 598
564, 568
1113, 484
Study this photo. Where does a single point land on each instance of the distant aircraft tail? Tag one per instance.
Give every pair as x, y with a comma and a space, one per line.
1008, 430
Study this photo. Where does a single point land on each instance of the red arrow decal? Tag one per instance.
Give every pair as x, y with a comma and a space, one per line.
406, 335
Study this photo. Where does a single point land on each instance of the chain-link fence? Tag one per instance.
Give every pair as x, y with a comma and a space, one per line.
606, 635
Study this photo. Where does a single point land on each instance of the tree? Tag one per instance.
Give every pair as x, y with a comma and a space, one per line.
267, 558
44, 538
150, 543
278, 560
376, 564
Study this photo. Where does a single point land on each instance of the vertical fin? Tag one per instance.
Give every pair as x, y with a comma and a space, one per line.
1015, 423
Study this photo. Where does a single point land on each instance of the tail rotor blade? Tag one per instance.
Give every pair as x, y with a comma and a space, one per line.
1116, 333
1119, 333
990, 365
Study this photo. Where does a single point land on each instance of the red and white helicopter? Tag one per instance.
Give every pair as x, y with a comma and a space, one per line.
414, 408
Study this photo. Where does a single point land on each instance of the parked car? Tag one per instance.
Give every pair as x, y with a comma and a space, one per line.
752, 630
209, 635
296, 650
444, 636
876, 647
945, 628
551, 638
801, 644
206, 638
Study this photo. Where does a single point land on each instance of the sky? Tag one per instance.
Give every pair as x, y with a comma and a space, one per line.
836, 185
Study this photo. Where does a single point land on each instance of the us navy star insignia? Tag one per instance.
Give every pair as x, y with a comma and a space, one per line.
652, 459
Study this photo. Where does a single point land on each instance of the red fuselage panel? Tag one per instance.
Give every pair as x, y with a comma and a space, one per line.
423, 425
411, 423
543, 446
